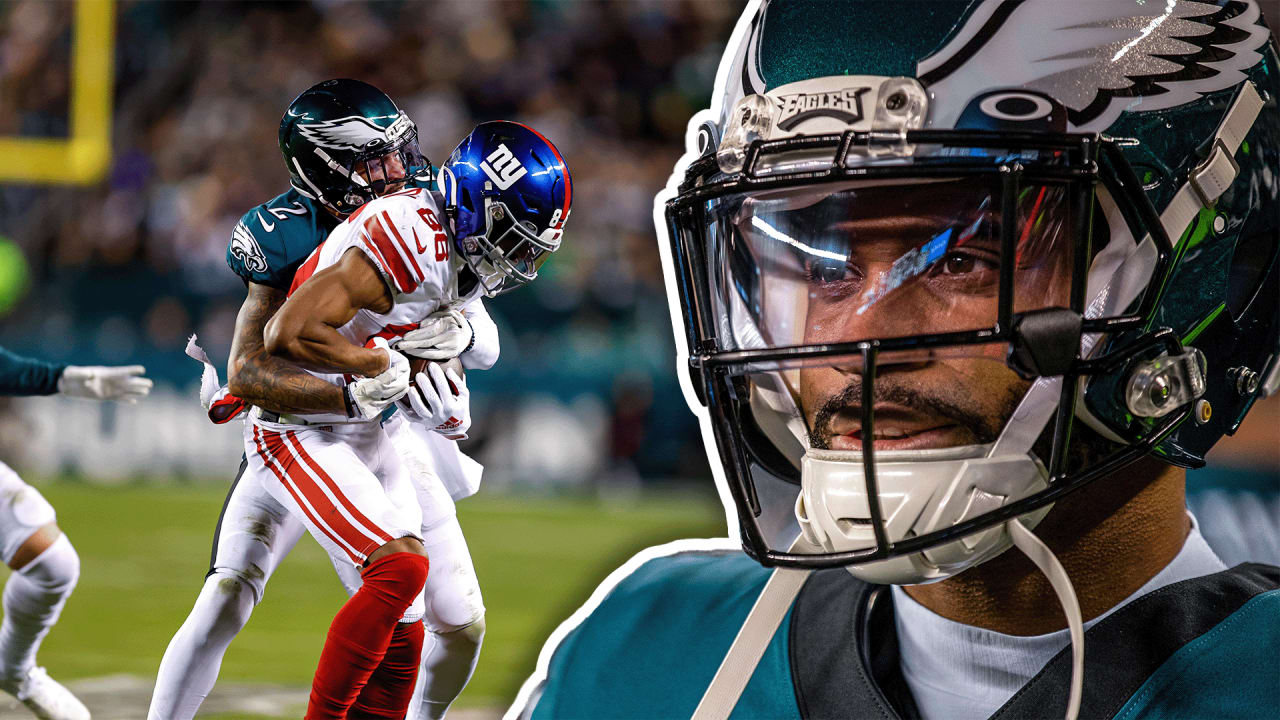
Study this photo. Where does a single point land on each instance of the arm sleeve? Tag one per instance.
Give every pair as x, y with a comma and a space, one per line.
484, 352
25, 376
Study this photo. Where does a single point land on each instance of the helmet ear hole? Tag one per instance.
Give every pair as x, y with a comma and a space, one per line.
1254, 255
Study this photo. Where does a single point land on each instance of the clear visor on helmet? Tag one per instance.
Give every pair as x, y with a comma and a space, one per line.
383, 172
390, 171
925, 269
861, 261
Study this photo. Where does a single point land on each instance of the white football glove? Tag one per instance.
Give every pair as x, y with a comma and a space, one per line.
434, 404
366, 398
97, 382
443, 335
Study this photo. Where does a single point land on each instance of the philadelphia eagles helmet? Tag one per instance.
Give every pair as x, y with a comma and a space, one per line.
345, 142
938, 266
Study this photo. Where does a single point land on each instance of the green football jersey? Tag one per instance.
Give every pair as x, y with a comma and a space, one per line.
1202, 647
273, 239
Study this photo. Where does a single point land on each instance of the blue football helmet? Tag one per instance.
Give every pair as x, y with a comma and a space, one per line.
507, 192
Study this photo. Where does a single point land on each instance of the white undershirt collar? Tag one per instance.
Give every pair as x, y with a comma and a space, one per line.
962, 672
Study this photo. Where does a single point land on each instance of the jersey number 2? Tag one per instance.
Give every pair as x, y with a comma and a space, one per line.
442, 241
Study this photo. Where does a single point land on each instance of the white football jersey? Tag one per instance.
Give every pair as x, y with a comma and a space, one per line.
405, 237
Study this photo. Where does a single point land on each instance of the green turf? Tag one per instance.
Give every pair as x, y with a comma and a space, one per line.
145, 549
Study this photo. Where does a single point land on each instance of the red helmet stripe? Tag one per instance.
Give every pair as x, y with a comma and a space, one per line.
568, 184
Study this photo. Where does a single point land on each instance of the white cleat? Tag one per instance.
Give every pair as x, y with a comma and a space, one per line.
46, 697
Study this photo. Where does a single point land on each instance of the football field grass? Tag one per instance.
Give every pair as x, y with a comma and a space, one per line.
145, 550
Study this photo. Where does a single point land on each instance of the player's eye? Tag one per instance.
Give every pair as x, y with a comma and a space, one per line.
827, 272
961, 264
834, 278
970, 271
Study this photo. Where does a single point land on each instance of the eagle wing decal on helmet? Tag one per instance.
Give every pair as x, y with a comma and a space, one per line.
1101, 58
348, 133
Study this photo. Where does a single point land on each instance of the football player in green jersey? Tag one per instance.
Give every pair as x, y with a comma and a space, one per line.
344, 142
950, 273
45, 566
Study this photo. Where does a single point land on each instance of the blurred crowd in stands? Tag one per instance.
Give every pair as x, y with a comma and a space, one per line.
123, 271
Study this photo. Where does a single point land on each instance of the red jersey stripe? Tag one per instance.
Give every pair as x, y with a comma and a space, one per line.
371, 527
307, 269
392, 262
377, 257
407, 252
288, 486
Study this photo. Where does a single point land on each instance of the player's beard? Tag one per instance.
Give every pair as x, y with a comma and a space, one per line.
956, 404
983, 425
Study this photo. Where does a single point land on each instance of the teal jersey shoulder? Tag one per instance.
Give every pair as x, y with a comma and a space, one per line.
274, 238
1232, 670
651, 647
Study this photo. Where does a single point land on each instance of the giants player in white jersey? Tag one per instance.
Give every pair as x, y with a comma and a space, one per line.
395, 262
254, 532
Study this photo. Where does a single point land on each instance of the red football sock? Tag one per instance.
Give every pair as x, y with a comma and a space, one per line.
361, 631
390, 687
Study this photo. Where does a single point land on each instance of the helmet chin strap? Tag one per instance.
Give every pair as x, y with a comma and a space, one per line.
753, 638
1207, 183
922, 491
1043, 557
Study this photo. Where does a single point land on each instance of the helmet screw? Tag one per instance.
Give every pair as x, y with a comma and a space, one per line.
1219, 224
1246, 380
1204, 411
496, 212
895, 101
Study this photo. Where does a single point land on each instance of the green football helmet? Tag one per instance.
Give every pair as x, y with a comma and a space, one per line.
1015, 246
345, 142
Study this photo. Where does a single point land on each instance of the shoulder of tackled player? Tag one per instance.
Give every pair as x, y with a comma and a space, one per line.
404, 236
401, 206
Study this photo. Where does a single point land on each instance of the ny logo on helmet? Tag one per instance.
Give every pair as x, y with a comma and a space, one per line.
502, 167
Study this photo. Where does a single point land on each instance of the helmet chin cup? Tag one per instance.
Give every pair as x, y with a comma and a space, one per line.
920, 491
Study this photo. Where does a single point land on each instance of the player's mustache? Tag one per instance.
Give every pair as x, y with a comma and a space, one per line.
985, 429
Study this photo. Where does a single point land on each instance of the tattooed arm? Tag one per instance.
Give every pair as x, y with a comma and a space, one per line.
268, 381
305, 330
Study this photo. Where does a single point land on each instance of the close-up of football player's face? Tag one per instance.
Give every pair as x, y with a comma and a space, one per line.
900, 261
385, 173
